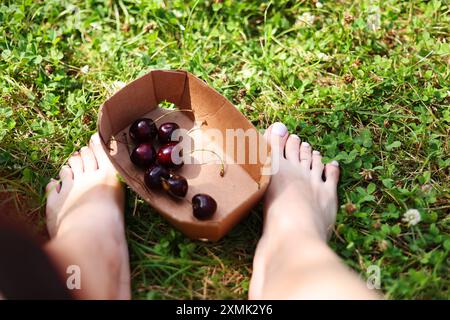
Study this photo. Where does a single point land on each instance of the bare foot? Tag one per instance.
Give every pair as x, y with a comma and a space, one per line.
298, 205
86, 224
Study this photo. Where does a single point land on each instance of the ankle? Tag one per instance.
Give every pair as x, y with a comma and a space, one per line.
295, 253
302, 241
288, 228
281, 246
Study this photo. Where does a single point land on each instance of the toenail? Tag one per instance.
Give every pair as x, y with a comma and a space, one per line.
334, 163
305, 144
279, 129
316, 152
295, 136
76, 153
96, 139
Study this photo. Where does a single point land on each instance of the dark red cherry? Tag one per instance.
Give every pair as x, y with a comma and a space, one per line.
154, 175
164, 156
175, 185
203, 206
165, 132
143, 130
143, 155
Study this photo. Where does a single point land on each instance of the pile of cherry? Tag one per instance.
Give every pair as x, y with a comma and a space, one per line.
160, 168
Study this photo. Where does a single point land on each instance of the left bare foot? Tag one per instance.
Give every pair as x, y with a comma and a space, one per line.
86, 224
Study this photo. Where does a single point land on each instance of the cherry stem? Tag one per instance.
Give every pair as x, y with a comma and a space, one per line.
222, 165
170, 112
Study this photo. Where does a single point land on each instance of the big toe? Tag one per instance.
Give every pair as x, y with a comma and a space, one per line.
277, 135
97, 149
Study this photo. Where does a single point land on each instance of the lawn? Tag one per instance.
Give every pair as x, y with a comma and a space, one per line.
365, 82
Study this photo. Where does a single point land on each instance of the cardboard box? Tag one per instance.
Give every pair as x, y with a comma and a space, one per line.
243, 183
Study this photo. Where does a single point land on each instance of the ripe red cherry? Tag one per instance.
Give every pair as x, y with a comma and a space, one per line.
154, 175
143, 155
203, 206
165, 132
164, 156
143, 130
175, 185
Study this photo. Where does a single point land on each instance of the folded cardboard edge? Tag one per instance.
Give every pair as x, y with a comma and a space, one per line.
169, 85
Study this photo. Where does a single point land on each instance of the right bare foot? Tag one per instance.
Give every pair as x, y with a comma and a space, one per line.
308, 203
85, 222
299, 204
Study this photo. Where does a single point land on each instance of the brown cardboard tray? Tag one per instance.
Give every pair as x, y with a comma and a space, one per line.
243, 183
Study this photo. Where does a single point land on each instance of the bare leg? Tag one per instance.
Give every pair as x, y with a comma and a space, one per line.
85, 222
292, 260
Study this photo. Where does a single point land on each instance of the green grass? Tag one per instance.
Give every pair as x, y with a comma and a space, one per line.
376, 99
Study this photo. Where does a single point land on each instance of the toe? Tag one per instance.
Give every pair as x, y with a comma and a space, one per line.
66, 173
53, 185
52, 190
89, 161
277, 136
97, 149
76, 164
305, 155
66, 176
292, 148
317, 165
332, 174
